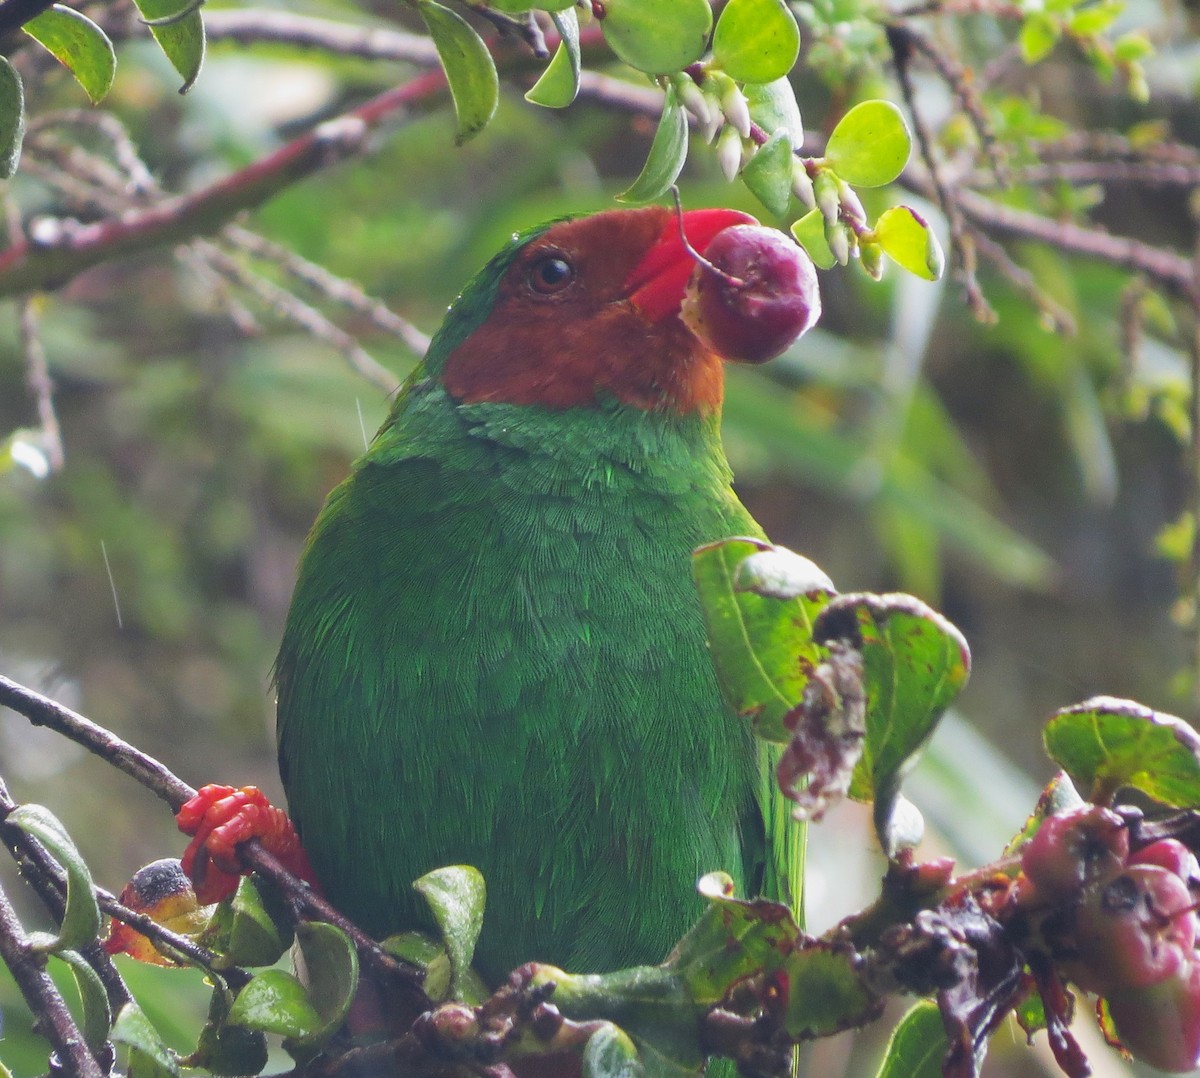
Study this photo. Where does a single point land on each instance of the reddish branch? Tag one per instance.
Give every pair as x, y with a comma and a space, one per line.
48, 260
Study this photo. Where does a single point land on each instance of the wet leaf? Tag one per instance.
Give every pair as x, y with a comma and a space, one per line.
657, 36
12, 126
181, 39
667, 154
470, 70
756, 41
914, 663
760, 614
559, 83
224, 1049
456, 898
1106, 744
609, 1053
149, 1057
275, 1002
907, 240
79, 45
870, 145
330, 965
251, 930
81, 917
768, 174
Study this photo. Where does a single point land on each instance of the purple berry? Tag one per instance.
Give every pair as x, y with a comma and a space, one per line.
763, 298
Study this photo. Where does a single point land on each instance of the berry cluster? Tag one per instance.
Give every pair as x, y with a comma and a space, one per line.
1121, 924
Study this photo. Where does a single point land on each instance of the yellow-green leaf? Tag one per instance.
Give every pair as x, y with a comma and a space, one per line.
657, 36
756, 40
559, 83
907, 240
79, 45
178, 28
469, 68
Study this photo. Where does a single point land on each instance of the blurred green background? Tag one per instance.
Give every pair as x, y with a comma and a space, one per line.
1011, 475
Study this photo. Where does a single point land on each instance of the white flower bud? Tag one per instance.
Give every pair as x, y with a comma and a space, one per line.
802, 185
737, 112
692, 98
729, 153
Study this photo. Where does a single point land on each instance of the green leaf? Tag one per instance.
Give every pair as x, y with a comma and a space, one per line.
870, 145
756, 40
79, 45
469, 68
1039, 35
917, 1045
223, 1049
760, 603
275, 1002
774, 108
257, 932
559, 83
517, 7
1133, 46
667, 154
1090, 21
12, 119
609, 1053
81, 917
657, 36
768, 174
809, 232
914, 663
181, 39
149, 1057
456, 898
330, 965
1106, 744
97, 1014
907, 240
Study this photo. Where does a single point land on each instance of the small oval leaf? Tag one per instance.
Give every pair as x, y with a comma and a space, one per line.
768, 174
657, 36
79, 45
81, 918
470, 70
12, 120
1105, 744
149, 1057
559, 83
456, 898
870, 145
667, 154
907, 240
275, 1002
809, 232
774, 108
181, 39
331, 969
762, 645
917, 1045
756, 40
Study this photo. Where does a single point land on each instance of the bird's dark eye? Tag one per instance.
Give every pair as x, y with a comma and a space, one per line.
550, 273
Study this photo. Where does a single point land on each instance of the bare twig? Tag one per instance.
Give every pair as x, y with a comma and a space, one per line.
1059, 318
330, 285
287, 306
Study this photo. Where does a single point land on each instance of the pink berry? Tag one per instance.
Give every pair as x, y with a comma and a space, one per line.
1171, 854
763, 298
1136, 930
1075, 849
1160, 1025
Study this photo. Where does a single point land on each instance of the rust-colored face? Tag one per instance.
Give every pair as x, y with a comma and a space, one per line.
589, 309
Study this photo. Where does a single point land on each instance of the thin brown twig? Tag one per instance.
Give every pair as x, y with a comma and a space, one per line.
329, 285
159, 780
294, 310
1059, 318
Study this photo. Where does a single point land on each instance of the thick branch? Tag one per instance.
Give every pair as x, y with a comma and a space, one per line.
44, 262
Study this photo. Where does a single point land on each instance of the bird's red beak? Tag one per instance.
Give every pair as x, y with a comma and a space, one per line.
658, 281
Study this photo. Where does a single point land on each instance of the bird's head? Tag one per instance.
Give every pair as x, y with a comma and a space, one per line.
584, 309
